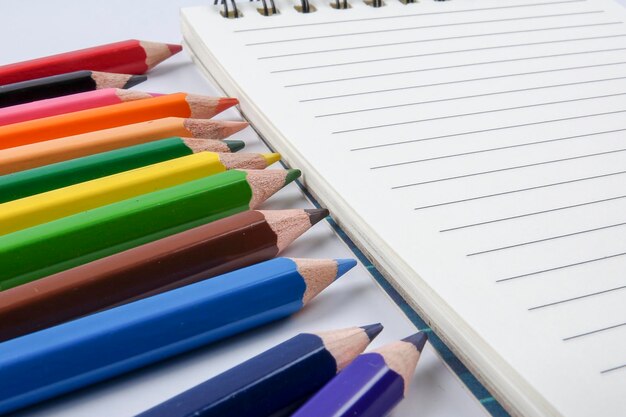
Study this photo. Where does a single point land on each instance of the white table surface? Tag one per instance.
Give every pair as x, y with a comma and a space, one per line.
33, 28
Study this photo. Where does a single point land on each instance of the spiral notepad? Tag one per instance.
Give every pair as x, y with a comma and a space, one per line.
476, 150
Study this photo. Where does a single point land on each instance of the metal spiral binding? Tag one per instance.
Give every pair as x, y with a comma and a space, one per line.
226, 13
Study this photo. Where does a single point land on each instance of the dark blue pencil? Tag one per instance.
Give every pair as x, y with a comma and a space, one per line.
69, 356
372, 385
276, 379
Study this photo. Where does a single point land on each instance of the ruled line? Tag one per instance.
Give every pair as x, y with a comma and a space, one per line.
387, 90
469, 132
479, 35
615, 368
519, 216
565, 339
487, 48
519, 145
408, 122
554, 184
416, 103
387, 74
493, 171
580, 297
543, 271
410, 15
581, 232
372, 32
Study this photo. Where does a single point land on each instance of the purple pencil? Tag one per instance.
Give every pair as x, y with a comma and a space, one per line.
372, 385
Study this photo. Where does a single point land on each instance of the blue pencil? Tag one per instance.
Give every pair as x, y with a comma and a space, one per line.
72, 355
278, 378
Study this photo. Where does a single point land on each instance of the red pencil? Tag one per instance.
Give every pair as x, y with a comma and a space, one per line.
126, 57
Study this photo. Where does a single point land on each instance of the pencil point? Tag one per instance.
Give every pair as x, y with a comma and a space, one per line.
270, 158
134, 80
174, 48
316, 215
344, 265
292, 175
225, 103
235, 145
418, 340
372, 330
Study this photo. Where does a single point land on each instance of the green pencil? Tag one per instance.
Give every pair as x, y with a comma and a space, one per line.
48, 248
62, 174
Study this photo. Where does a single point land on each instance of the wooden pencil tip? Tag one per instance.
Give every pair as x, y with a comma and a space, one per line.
316, 215
174, 48
264, 184
134, 80
319, 274
418, 340
225, 103
372, 330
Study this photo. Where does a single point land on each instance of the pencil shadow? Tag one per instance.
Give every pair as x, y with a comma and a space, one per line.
168, 68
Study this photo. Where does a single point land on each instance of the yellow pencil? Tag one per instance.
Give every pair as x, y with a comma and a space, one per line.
41, 208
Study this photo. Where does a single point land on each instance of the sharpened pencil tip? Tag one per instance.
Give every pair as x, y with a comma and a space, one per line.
134, 80
316, 215
418, 340
235, 145
270, 158
292, 175
174, 48
225, 103
344, 265
372, 330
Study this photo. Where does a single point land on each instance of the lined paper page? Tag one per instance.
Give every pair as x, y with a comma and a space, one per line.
482, 146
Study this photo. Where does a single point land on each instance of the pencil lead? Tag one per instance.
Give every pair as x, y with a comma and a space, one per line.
418, 340
174, 48
225, 103
316, 215
344, 265
134, 80
235, 145
372, 330
270, 158
292, 175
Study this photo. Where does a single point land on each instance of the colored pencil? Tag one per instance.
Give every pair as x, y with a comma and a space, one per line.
181, 259
372, 385
63, 174
52, 247
274, 380
45, 207
129, 57
63, 85
178, 105
78, 353
48, 152
68, 104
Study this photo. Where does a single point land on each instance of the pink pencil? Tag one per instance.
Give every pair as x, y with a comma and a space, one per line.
68, 104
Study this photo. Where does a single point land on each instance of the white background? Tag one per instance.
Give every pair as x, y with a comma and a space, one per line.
34, 28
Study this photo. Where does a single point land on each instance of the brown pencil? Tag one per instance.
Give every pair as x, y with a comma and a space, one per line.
181, 259
48, 152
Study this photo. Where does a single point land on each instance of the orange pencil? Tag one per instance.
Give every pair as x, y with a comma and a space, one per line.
178, 105
58, 150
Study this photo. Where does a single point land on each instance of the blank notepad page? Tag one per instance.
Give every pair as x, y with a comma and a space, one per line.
477, 150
